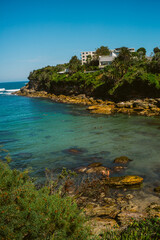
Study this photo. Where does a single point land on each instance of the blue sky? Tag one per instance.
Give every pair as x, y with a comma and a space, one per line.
36, 33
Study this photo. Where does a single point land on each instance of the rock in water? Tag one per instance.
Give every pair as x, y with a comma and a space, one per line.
124, 181
122, 160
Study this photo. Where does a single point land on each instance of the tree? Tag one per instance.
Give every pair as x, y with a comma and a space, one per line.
156, 50
102, 51
89, 58
74, 64
124, 55
142, 51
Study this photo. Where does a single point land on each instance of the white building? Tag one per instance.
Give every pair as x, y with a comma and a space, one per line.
107, 60
84, 56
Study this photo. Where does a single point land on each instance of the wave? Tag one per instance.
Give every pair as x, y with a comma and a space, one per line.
12, 90
2, 89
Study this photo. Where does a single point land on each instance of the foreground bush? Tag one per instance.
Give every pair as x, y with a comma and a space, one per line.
143, 230
28, 213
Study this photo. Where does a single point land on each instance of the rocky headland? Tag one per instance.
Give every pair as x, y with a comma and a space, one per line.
142, 107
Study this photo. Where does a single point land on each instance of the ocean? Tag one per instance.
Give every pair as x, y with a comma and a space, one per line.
39, 134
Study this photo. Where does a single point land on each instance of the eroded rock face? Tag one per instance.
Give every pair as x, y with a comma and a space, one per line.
122, 160
124, 181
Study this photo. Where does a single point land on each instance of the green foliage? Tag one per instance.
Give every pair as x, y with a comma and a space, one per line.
156, 50
130, 74
143, 230
74, 64
28, 213
142, 51
102, 51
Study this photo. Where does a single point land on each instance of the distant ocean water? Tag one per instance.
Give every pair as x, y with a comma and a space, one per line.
38, 133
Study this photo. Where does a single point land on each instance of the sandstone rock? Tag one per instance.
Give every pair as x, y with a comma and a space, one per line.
101, 109
122, 160
124, 105
95, 164
110, 201
129, 196
125, 110
100, 170
118, 168
124, 181
125, 217
153, 210
110, 211
81, 169
100, 225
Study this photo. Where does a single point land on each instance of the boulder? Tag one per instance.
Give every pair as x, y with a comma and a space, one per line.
118, 168
95, 164
101, 109
124, 181
126, 217
100, 225
122, 160
99, 170
98, 211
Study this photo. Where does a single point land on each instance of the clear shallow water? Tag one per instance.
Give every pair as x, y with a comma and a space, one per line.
38, 132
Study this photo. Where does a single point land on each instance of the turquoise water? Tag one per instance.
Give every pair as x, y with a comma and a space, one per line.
38, 134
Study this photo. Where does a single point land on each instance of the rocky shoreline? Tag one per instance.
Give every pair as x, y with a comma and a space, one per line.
109, 201
146, 107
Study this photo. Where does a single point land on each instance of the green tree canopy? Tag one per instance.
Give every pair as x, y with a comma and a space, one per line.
74, 64
142, 51
102, 51
124, 55
156, 50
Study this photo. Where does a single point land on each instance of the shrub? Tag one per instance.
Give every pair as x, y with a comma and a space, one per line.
28, 213
143, 230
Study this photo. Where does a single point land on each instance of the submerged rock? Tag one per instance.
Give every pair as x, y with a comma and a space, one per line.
122, 160
94, 168
124, 181
74, 150
118, 168
95, 164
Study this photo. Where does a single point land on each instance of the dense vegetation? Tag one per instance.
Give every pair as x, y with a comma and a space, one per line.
29, 213
130, 75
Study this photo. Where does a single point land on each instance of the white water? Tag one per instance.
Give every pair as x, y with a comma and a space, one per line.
8, 91
12, 90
